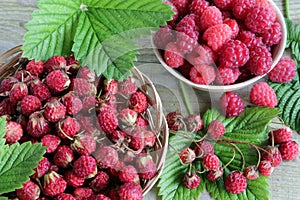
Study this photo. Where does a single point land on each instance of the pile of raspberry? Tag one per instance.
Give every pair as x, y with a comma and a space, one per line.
280, 147
98, 135
219, 42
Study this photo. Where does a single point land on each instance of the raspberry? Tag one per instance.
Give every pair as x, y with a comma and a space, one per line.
202, 74
83, 193
37, 125
141, 122
87, 123
234, 54
215, 175
251, 172
57, 81
108, 121
175, 121
282, 135
272, 154
13, 132
284, 71
72, 103
216, 36
191, 180
30, 104
197, 7
54, 110
111, 86
136, 139
7, 84
35, 68
130, 191
55, 63
260, 60
233, 25
128, 86
163, 36
63, 156
84, 144
249, 39
273, 35
289, 150
146, 167
42, 168
265, 168
235, 182
267, 4
242, 7
203, 56
181, 5
202, 148
194, 123
127, 116
259, 19
18, 92
73, 180
67, 127
86, 74
29, 191
211, 161
100, 181
173, 55
116, 136
227, 76
54, 184
210, 17
129, 174
64, 196
216, 129
6, 107
85, 166
149, 138
232, 104
39, 89
262, 94
89, 103
138, 102
187, 156
106, 157
101, 197
82, 87
245, 75
175, 15
114, 171
224, 4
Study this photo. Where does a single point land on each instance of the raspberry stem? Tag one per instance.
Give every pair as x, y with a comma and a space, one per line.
234, 153
287, 8
241, 153
259, 155
185, 97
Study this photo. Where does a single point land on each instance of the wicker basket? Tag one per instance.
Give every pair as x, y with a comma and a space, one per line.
10, 63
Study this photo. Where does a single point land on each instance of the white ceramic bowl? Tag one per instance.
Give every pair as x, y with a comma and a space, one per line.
277, 53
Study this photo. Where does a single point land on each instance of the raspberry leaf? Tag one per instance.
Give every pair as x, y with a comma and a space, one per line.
3, 198
2, 131
293, 38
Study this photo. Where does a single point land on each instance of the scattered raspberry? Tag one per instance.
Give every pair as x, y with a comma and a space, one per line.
72, 103
202, 74
14, 132
194, 123
54, 184
272, 154
130, 191
233, 25
64, 196
251, 172
210, 17
265, 168
63, 156
175, 120
187, 156
42, 168
6, 107
281, 135
289, 150
242, 7
202, 148
191, 180
249, 39
211, 161
224, 4
262, 94
138, 102
216, 129
197, 7
57, 81
73, 180
175, 15
284, 71
83, 193
129, 174
67, 127
106, 157
100, 181
85, 166
273, 35
55, 63
37, 125
54, 110
82, 87
108, 121
163, 36
30, 104
7, 84
181, 5
173, 55
86, 74
235, 182
18, 92
216, 36
215, 175
84, 144
227, 76
35, 68
29, 191
232, 104
39, 89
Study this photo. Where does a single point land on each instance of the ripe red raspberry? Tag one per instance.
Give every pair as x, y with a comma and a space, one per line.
203, 55
101, 197
128, 86
54, 184
37, 125
127, 116
173, 56
289, 150
216, 129
7, 84
14, 132
29, 191
210, 17
272, 154
130, 191
265, 168
235, 182
202, 74
273, 35
82, 87
267, 4
242, 7
197, 7
224, 4
249, 39
245, 75
108, 121
55, 63
260, 60
35, 68
64, 196
73, 180
194, 123
67, 127
234, 54
89, 103
111, 87
284, 71
106, 157
129, 174
141, 122
42, 168
63, 156
211, 161
18, 92
83, 193
215, 175
191, 180
233, 25
203, 147
137, 142
163, 36
30, 104
262, 94
175, 120
87, 123
54, 110
172, 22
57, 81
85, 166
149, 138
72, 103
232, 104
39, 89
251, 172
218, 35
100, 181
84, 144
227, 76
281, 135
116, 136
6, 107
146, 167
86, 74
259, 19
181, 5
115, 170
138, 102
187, 156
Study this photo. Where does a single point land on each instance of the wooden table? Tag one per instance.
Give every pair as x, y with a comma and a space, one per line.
285, 181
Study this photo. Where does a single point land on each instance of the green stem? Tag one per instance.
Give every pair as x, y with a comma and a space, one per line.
287, 8
185, 97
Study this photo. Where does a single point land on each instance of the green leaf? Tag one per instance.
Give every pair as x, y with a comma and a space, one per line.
17, 164
2, 131
3, 198
293, 38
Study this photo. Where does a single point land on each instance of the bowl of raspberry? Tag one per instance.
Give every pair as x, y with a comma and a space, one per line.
221, 46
